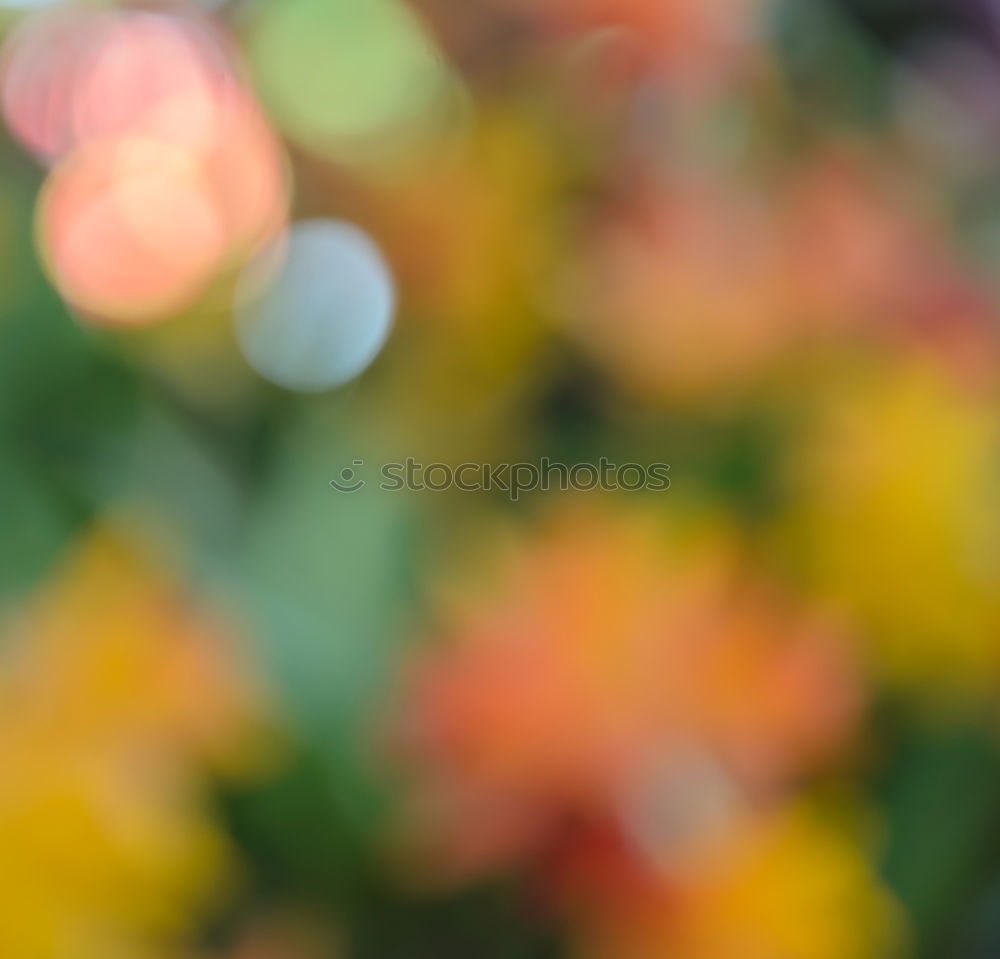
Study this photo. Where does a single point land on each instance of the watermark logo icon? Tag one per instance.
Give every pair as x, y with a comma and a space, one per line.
349, 481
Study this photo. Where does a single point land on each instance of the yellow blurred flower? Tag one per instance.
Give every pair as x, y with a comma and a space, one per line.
895, 519
479, 202
114, 692
472, 240
786, 886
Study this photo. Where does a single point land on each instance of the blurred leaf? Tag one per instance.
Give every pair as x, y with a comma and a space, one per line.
942, 793
324, 575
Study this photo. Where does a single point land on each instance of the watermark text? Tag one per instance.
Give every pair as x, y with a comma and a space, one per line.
510, 479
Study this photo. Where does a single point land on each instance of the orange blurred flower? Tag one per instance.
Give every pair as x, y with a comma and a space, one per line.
699, 284
680, 290
695, 44
608, 666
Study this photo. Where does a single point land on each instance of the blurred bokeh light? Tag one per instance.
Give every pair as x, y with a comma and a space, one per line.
165, 167
324, 309
353, 80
